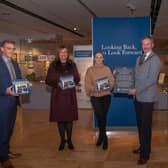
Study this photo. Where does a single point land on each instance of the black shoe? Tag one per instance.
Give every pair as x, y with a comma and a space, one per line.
105, 143
62, 146
136, 151
70, 145
99, 141
142, 161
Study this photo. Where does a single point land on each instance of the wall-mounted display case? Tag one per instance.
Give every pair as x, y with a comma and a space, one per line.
34, 58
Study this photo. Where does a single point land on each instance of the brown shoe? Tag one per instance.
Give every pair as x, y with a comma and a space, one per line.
136, 151
14, 155
142, 161
7, 164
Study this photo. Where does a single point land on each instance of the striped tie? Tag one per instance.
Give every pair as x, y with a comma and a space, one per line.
12, 71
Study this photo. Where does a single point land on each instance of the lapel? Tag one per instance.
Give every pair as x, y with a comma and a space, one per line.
4, 67
139, 66
149, 57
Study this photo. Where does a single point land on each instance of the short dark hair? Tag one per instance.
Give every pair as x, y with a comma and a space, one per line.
7, 42
148, 37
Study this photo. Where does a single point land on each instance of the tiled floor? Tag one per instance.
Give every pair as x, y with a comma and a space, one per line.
38, 140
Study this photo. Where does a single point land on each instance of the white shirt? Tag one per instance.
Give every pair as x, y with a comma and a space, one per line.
147, 55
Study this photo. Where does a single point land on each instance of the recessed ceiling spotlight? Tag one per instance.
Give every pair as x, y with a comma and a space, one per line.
76, 28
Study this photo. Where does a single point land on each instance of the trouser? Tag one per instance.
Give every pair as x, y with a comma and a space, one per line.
65, 127
144, 111
7, 120
101, 106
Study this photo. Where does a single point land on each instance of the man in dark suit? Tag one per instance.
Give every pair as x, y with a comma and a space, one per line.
9, 70
146, 93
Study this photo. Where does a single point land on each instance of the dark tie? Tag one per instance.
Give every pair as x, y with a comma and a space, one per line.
142, 59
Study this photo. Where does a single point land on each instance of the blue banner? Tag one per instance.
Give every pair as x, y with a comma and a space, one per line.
120, 41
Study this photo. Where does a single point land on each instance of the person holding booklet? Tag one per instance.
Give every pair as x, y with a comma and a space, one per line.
9, 71
99, 82
63, 76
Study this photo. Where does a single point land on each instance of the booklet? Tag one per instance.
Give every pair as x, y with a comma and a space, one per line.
103, 84
67, 82
21, 86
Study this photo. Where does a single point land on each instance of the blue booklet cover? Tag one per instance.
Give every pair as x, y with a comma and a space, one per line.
21, 86
103, 84
67, 82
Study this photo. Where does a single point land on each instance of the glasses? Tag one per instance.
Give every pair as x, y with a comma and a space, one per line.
10, 48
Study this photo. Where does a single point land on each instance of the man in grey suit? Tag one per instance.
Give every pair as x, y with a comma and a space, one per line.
146, 93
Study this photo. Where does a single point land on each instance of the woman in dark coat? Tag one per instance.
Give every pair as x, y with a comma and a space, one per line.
63, 108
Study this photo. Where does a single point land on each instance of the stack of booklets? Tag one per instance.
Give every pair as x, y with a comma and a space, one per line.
21, 86
102, 84
67, 82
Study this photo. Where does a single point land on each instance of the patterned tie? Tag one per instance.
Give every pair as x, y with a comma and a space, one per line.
142, 59
12, 70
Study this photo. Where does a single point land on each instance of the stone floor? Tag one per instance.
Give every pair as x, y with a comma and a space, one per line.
38, 141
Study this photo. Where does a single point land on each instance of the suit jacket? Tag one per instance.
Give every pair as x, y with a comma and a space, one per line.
5, 81
146, 76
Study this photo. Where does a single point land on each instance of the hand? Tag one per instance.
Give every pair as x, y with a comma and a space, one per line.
10, 92
59, 84
132, 92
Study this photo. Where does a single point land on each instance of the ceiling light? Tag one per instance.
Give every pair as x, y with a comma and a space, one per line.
76, 28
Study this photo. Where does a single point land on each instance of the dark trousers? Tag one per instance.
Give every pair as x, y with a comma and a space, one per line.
7, 120
65, 127
144, 111
101, 106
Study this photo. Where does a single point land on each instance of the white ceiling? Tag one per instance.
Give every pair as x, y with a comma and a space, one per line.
70, 13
